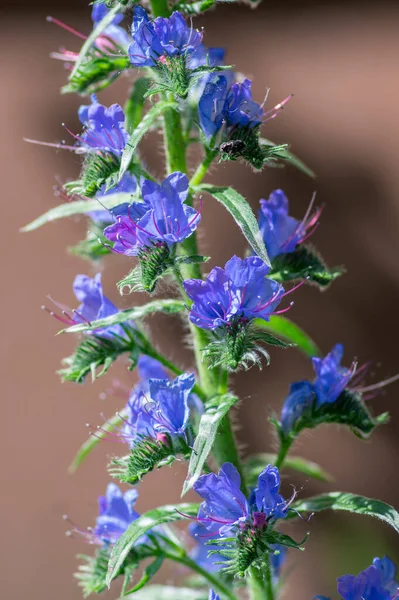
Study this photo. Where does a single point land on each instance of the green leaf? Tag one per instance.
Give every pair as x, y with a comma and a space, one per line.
304, 263
133, 108
256, 463
194, 8
139, 133
91, 573
207, 431
349, 503
289, 331
149, 572
168, 592
80, 207
93, 247
276, 537
93, 441
242, 213
195, 259
145, 455
167, 306
149, 520
289, 157
96, 74
98, 30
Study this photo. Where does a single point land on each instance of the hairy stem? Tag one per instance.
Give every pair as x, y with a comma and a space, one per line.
285, 446
257, 585
202, 168
175, 148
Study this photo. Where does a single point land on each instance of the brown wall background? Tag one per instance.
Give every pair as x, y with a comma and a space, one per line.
341, 60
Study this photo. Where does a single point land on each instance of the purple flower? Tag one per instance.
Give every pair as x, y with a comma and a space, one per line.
239, 291
226, 510
281, 232
116, 514
162, 218
331, 380
377, 582
100, 10
231, 105
152, 41
158, 406
213, 595
127, 185
103, 128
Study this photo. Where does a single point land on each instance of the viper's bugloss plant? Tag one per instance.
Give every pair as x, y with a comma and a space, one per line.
238, 543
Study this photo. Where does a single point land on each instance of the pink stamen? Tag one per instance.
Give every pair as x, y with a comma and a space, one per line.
66, 27
377, 386
59, 146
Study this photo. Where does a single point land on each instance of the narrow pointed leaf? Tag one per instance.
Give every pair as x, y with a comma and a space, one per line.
207, 432
290, 332
140, 132
80, 207
242, 213
149, 520
93, 441
256, 463
290, 158
168, 306
149, 572
304, 263
102, 25
133, 108
350, 503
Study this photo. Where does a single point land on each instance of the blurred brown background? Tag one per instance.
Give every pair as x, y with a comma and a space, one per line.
341, 60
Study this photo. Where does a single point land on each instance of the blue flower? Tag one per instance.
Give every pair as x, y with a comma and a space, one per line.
162, 218
331, 379
230, 105
213, 595
226, 510
212, 57
127, 185
239, 291
113, 36
374, 583
161, 38
116, 514
281, 232
200, 552
103, 128
158, 406
100, 10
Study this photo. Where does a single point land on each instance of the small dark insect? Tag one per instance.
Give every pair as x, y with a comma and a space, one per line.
233, 147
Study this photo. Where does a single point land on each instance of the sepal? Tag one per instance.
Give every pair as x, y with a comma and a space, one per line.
240, 346
95, 352
99, 170
96, 74
92, 572
244, 143
154, 262
146, 454
304, 263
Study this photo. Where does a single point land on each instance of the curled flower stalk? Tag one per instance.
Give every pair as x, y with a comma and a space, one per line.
235, 317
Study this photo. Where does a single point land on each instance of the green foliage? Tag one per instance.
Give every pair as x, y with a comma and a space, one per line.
244, 143
99, 169
154, 263
78, 207
96, 73
93, 247
304, 263
92, 573
96, 351
145, 454
255, 464
134, 105
242, 213
288, 157
207, 431
348, 409
289, 331
239, 346
167, 306
194, 8
352, 503
139, 132
147, 521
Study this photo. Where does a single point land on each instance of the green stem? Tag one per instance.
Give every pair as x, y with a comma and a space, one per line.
202, 168
258, 585
285, 445
225, 449
215, 583
175, 148
160, 8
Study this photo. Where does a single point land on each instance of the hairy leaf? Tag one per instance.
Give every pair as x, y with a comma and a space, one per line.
139, 133
80, 207
96, 74
94, 440
207, 431
168, 306
145, 455
289, 331
133, 108
304, 263
349, 503
290, 158
242, 213
149, 520
149, 572
194, 8
256, 463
